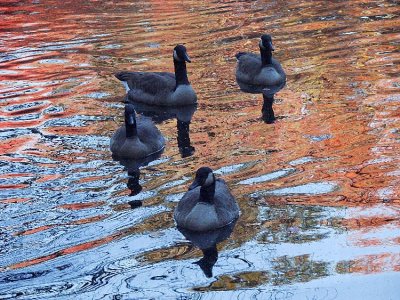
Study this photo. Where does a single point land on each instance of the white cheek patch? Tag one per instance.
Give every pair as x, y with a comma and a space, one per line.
125, 84
176, 56
261, 45
210, 179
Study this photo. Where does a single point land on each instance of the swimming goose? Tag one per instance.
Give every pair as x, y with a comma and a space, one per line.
161, 88
207, 205
138, 138
256, 72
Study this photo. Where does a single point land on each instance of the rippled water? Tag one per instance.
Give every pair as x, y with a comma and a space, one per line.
318, 190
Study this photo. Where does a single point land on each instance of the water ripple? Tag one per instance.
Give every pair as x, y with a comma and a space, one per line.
315, 188
66, 226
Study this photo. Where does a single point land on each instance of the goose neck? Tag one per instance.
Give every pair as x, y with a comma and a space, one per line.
266, 56
131, 129
207, 193
180, 73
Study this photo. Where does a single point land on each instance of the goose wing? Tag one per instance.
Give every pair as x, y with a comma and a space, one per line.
149, 82
186, 204
117, 140
149, 134
279, 69
249, 65
225, 204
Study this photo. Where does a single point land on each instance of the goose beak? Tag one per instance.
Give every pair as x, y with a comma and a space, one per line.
186, 57
194, 185
271, 46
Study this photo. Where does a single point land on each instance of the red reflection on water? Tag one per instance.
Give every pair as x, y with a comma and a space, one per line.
76, 222
15, 200
378, 263
340, 106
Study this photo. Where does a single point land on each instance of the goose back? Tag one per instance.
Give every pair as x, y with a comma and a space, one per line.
152, 83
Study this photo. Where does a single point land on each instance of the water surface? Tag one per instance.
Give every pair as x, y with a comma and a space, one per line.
318, 190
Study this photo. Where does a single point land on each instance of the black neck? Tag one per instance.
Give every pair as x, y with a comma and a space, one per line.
131, 130
266, 56
207, 193
180, 73
267, 111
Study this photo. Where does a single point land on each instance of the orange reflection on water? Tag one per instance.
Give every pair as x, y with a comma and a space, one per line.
78, 206
15, 200
160, 220
339, 108
369, 264
77, 222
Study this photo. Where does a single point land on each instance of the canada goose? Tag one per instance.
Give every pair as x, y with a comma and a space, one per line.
161, 88
256, 72
136, 139
207, 205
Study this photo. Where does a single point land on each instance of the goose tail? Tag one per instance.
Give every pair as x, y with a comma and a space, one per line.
239, 54
124, 77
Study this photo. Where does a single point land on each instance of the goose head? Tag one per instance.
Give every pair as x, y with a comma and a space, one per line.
180, 54
204, 178
130, 120
266, 43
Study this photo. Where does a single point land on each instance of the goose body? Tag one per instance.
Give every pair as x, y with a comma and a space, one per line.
137, 139
207, 205
161, 88
256, 72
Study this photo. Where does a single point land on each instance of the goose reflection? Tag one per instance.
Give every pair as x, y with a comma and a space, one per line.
183, 115
267, 111
207, 242
132, 166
